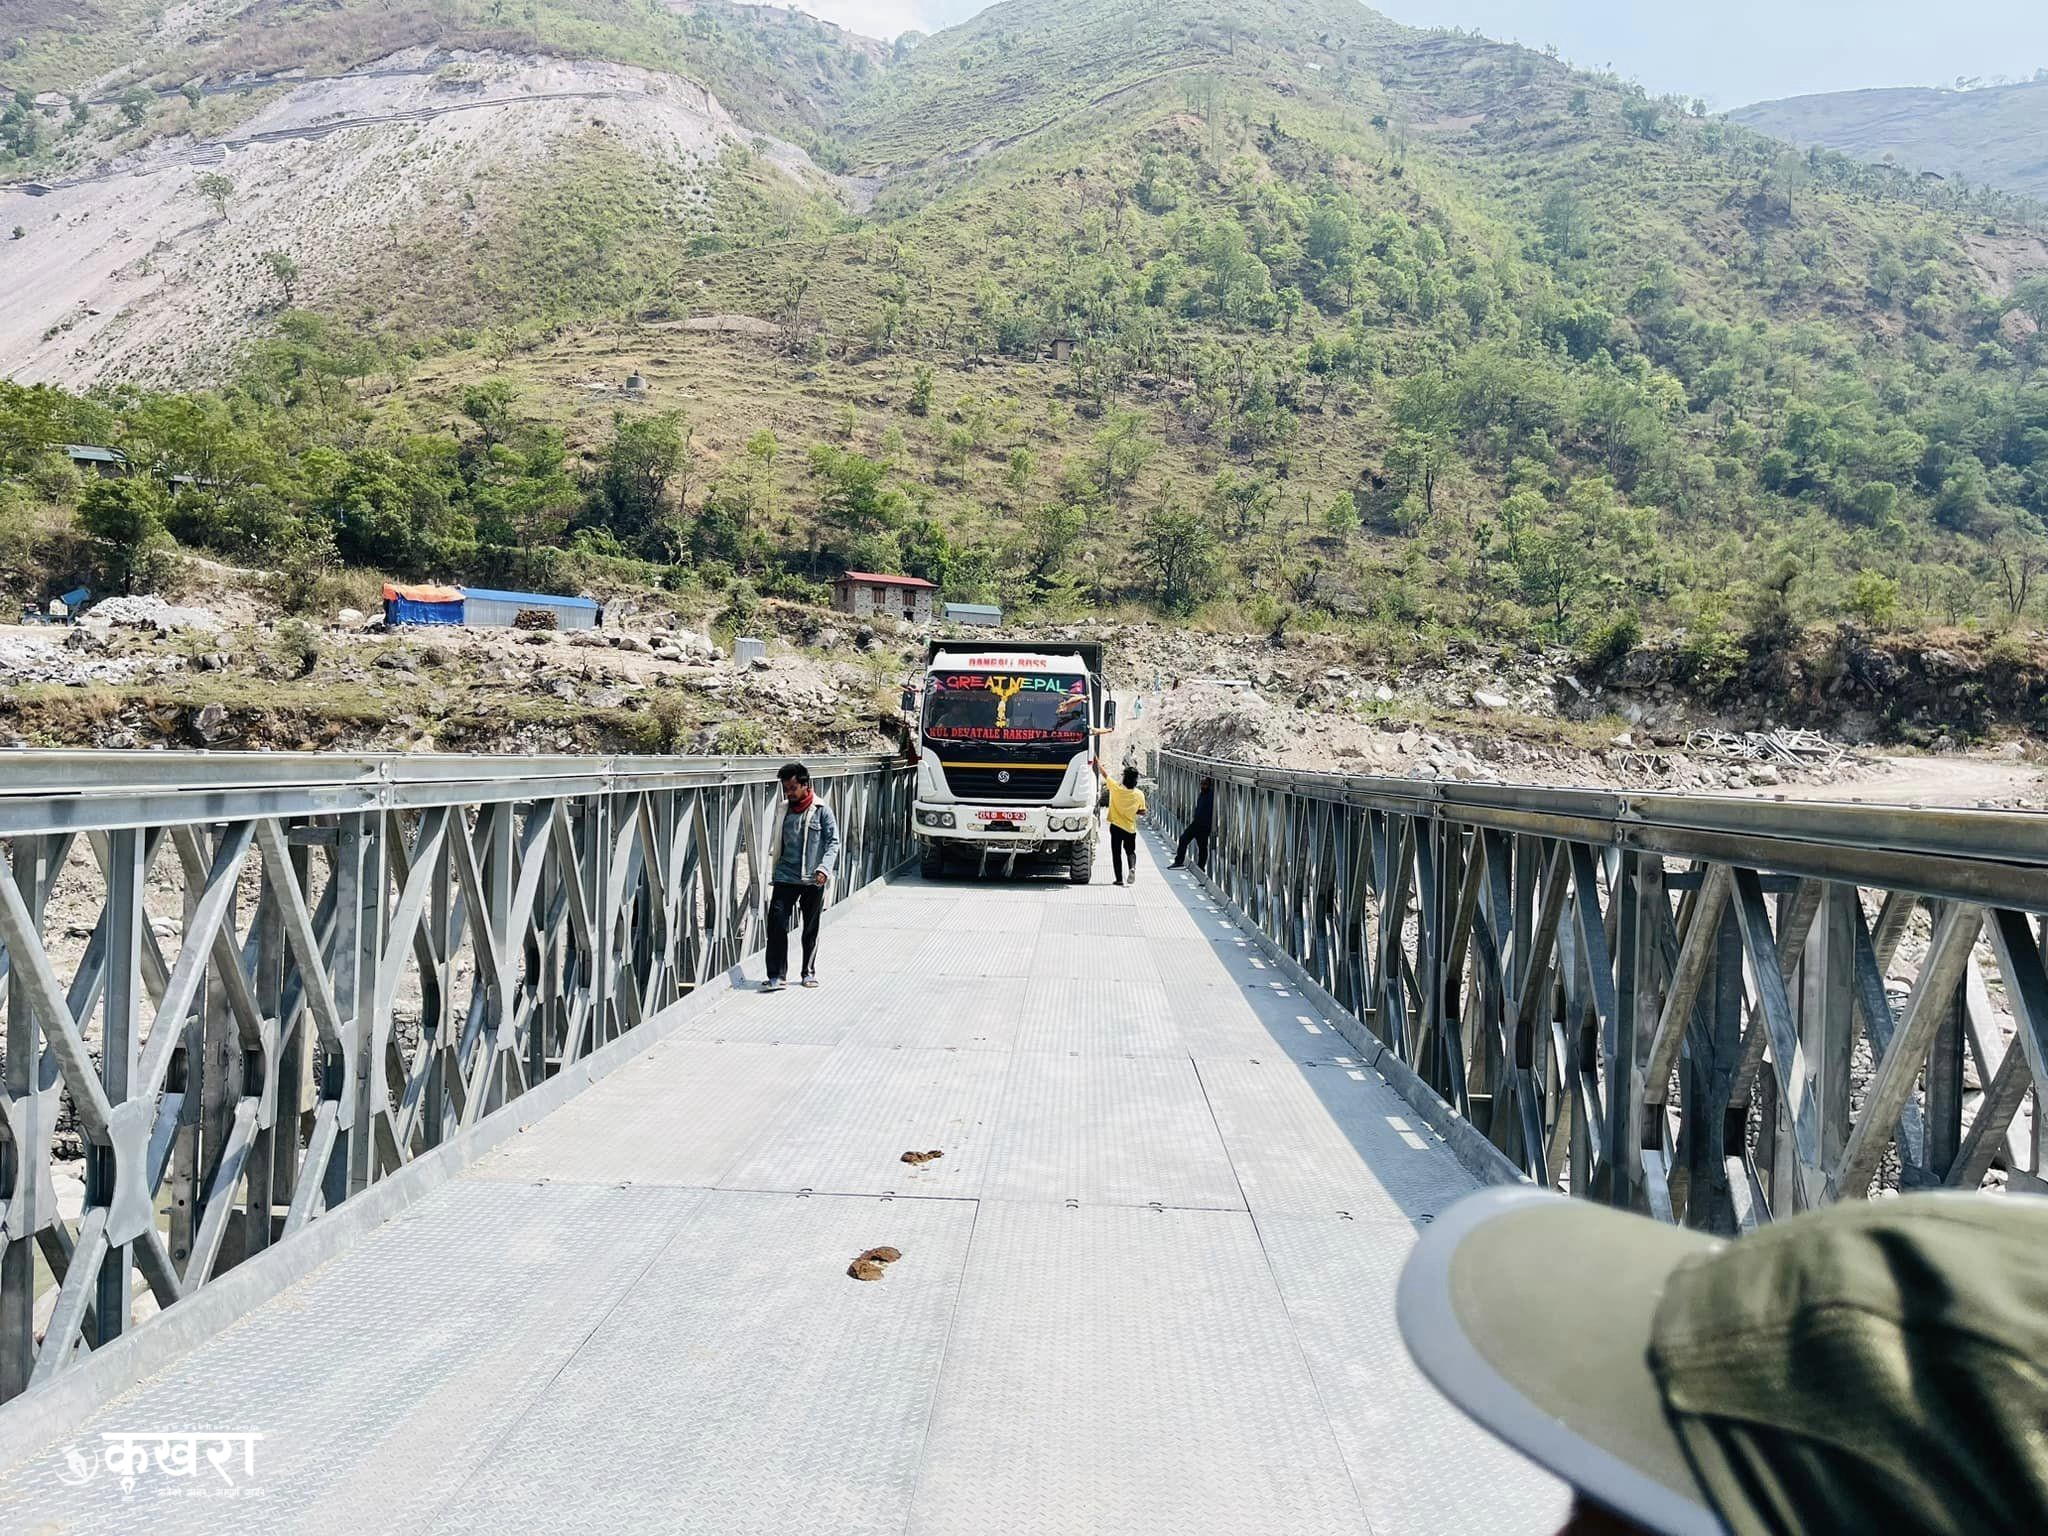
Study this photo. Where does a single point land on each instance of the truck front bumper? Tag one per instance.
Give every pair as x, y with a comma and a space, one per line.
1003, 826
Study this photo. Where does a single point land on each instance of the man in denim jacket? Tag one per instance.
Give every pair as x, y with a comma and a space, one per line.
805, 854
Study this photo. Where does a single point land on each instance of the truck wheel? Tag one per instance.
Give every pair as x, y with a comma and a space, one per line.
1081, 862
932, 863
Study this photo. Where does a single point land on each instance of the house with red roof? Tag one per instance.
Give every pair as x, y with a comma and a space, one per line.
867, 595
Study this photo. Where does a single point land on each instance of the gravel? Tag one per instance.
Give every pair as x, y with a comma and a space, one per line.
28, 661
150, 612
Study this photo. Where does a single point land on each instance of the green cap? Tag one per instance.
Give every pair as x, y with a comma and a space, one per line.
1877, 1365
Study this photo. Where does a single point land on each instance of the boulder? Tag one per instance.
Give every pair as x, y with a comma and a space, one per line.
210, 722
1485, 700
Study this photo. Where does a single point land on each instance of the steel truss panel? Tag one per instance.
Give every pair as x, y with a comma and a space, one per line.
1658, 1001
257, 984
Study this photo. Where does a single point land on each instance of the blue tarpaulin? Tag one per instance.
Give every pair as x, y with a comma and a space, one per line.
422, 605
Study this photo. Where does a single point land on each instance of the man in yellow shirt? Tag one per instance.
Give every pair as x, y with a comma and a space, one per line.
1126, 805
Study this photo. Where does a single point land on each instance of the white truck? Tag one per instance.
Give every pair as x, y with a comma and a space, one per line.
1007, 737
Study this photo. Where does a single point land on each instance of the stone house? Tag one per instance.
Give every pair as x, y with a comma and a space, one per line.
867, 595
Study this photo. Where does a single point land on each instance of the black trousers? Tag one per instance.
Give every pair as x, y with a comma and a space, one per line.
782, 905
1198, 834
1122, 845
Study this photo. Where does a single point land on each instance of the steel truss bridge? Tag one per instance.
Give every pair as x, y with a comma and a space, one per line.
400, 1116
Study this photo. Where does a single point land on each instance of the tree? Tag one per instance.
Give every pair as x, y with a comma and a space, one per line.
1874, 598
854, 493
1122, 450
489, 405
1644, 117
1554, 566
1564, 224
125, 521
2021, 558
1241, 505
190, 91
281, 266
1178, 552
135, 104
216, 189
1426, 414
1050, 534
644, 455
921, 385
1340, 518
21, 126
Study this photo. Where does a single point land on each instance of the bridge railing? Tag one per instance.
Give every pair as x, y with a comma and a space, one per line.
1707, 1009
244, 987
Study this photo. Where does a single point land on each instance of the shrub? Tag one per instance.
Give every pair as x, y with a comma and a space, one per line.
1608, 642
355, 588
53, 477
795, 588
1709, 656
668, 723
741, 606
740, 738
297, 647
1874, 598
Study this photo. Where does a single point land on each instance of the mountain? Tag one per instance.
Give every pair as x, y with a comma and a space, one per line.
1996, 135
1289, 317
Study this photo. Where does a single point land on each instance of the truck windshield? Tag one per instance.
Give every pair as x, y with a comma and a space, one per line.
994, 706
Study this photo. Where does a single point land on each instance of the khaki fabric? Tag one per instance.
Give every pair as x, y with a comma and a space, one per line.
1876, 1367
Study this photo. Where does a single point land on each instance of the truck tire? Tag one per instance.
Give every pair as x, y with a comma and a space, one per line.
931, 863
1081, 862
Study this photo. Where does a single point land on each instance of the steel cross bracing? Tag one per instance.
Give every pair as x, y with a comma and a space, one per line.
1707, 1009
248, 986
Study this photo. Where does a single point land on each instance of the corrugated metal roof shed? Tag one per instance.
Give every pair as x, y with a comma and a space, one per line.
530, 599
483, 608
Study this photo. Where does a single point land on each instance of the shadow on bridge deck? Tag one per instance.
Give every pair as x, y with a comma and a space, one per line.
1148, 1287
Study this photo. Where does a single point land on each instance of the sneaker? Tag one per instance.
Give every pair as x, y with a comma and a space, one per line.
810, 978
773, 984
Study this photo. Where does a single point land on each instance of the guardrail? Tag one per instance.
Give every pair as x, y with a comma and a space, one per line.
1680, 1004
251, 985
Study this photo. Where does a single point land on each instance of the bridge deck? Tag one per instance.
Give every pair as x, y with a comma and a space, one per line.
1148, 1287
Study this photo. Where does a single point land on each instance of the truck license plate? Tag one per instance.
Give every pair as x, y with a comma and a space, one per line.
999, 815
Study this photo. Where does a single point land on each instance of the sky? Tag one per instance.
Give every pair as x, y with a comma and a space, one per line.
1732, 52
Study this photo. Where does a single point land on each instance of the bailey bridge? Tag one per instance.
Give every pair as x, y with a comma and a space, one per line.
391, 1144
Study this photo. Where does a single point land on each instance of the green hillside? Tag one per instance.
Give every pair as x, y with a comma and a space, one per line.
1997, 135
1412, 333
